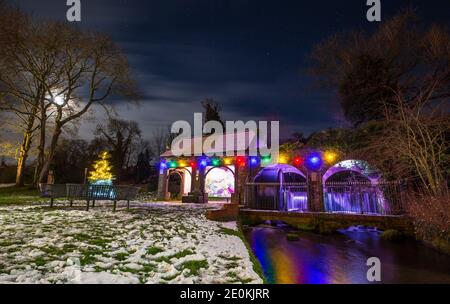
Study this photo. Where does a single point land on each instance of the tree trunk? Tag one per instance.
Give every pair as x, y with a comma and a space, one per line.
51, 153
24, 149
22, 159
41, 148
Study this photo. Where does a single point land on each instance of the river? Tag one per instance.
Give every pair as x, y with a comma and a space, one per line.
342, 258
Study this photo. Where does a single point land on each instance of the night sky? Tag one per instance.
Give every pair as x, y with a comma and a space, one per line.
250, 56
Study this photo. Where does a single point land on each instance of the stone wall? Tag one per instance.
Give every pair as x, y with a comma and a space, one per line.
329, 223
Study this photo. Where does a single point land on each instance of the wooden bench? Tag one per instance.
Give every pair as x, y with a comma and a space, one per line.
90, 193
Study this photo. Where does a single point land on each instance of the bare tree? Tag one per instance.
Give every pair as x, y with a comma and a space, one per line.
92, 68
120, 135
159, 141
19, 91
367, 69
58, 72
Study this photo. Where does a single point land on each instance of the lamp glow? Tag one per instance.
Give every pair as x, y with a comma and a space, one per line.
203, 162
283, 159
216, 162
240, 161
228, 161
314, 161
266, 159
330, 157
298, 161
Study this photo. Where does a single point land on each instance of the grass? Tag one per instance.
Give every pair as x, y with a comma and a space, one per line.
235, 278
154, 250
194, 266
122, 256
19, 195
177, 255
228, 231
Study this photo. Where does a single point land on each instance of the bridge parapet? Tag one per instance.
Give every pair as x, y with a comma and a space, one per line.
329, 222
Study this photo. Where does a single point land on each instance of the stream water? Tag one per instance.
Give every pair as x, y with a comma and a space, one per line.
342, 258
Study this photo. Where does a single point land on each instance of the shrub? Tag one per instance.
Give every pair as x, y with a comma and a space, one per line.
431, 216
392, 235
292, 237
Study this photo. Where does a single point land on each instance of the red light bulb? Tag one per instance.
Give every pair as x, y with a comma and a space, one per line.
298, 161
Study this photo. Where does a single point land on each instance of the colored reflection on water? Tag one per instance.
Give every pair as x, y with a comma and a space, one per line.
341, 258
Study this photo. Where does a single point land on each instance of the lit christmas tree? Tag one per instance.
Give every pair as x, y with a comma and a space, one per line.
102, 174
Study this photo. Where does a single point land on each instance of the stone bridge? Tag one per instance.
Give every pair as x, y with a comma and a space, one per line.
329, 222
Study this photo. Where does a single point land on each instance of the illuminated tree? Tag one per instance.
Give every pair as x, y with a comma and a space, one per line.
102, 173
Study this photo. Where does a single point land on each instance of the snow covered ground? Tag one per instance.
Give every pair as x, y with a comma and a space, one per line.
155, 243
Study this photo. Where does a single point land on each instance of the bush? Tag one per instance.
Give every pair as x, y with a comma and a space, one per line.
442, 245
392, 235
431, 216
292, 237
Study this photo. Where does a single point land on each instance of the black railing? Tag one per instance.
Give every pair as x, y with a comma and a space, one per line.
276, 196
381, 198
89, 193
384, 198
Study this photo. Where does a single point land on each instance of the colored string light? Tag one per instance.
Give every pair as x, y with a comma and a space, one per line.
216, 162
298, 161
330, 157
254, 161
314, 161
228, 161
240, 161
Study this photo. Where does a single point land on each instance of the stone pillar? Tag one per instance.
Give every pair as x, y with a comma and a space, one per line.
162, 184
194, 180
315, 192
183, 180
240, 181
201, 179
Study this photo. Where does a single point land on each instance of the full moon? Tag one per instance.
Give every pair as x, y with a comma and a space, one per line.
59, 100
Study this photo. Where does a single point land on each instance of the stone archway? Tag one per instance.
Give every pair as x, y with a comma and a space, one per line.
184, 180
220, 182
363, 193
358, 166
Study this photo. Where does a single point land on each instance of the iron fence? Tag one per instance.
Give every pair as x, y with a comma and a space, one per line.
277, 196
383, 198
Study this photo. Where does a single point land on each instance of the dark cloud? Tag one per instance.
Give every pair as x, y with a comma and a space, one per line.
248, 55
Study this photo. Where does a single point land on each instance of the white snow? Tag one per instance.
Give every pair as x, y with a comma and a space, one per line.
153, 243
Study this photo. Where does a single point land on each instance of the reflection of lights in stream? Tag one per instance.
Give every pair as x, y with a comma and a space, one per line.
302, 262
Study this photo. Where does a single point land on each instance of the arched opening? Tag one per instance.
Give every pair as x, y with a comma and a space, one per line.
279, 187
357, 169
353, 186
220, 182
174, 185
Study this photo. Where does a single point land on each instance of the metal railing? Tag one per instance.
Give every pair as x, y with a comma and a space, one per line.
381, 198
88, 192
276, 196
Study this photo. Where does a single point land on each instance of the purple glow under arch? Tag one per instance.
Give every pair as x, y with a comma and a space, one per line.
359, 166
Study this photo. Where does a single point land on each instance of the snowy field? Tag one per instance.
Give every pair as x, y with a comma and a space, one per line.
158, 243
